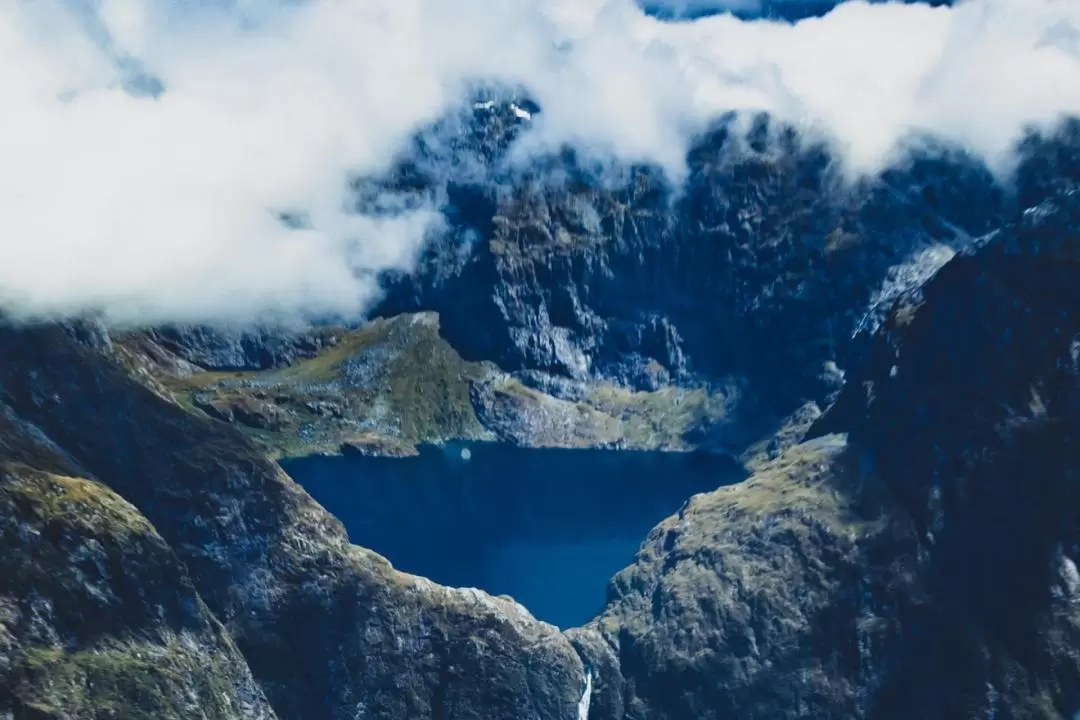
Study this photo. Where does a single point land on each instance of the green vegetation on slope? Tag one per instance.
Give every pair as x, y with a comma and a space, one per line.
396, 382
383, 388
97, 617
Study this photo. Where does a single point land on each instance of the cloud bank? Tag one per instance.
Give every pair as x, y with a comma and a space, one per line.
148, 149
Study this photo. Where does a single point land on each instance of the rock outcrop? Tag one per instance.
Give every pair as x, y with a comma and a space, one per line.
395, 382
242, 348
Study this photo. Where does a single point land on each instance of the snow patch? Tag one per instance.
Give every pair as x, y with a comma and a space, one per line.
902, 279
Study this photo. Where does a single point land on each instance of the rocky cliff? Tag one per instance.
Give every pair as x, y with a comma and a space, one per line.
916, 556
751, 276
576, 298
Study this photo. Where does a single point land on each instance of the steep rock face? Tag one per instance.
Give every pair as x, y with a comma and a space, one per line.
329, 630
922, 567
232, 348
97, 616
980, 372
746, 604
753, 275
759, 278
749, 280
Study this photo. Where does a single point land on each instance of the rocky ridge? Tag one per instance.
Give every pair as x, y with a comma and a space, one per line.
396, 382
592, 305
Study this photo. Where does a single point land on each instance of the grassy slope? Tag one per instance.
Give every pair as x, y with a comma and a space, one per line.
396, 382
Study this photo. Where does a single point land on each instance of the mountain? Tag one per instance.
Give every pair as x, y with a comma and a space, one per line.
915, 556
748, 279
327, 629
895, 361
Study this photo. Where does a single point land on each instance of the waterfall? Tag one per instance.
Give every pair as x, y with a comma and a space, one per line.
586, 696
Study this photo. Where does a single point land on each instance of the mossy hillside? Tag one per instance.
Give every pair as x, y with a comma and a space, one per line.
810, 479
97, 617
131, 680
396, 382
664, 418
390, 384
83, 505
731, 588
807, 493
70, 540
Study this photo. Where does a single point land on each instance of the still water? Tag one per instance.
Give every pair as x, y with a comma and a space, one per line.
548, 527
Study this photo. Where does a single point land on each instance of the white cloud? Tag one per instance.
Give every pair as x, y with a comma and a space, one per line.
163, 209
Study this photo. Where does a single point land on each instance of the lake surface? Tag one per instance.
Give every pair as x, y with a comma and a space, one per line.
548, 527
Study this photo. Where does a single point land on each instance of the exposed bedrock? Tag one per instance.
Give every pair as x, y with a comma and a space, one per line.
920, 563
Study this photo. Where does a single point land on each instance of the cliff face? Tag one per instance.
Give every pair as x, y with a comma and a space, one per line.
921, 563
755, 282
752, 276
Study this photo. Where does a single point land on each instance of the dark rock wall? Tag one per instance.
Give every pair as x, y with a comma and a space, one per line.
756, 272
925, 566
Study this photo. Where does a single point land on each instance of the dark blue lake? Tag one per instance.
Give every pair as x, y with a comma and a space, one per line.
548, 527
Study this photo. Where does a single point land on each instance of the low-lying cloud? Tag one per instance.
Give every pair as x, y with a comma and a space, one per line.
147, 150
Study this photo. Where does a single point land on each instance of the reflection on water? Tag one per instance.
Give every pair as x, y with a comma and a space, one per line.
549, 527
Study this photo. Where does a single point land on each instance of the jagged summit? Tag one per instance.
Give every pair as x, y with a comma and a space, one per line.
759, 278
